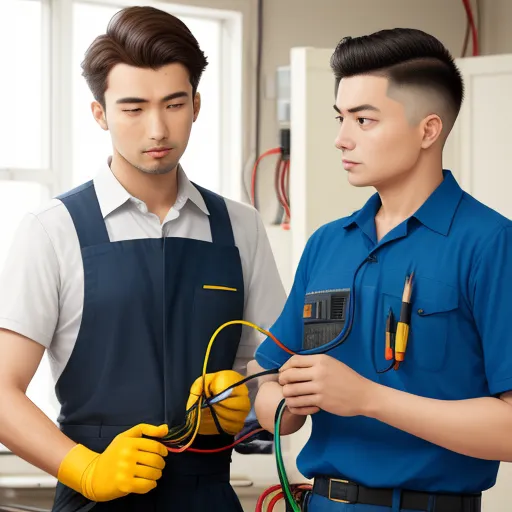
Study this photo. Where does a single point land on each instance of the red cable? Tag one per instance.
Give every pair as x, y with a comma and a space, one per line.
232, 445
274, 151
277, 176
284, 201
278, 497
474, 33
288, 181
263, 497
282, 194
285, 172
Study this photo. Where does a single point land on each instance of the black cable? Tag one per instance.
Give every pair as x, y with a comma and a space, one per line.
388, 368
214, 416
243, 381
207, 401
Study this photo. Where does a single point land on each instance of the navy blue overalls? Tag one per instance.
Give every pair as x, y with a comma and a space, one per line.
147, 320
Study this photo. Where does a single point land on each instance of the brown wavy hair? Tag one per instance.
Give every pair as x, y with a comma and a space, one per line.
143, 37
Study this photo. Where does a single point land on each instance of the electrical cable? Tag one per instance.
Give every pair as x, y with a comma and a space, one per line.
274, 151
284, 182
474, 32
228, 447
264, 495
280, 185
283, 478
280, 209
278, 497
283, 194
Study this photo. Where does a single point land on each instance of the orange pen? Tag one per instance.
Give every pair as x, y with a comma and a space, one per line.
390, 330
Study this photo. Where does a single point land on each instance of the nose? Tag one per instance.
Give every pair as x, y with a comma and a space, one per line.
157, 128
344, 141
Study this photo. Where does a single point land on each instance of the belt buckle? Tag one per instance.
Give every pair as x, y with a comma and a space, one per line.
337, 500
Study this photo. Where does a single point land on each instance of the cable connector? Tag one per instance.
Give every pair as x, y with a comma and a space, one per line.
285, 141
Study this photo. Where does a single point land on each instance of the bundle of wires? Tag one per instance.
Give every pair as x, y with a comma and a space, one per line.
281, 178
181, 437
273, 495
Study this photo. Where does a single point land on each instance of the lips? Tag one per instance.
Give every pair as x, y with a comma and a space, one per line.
349, 164
158, 152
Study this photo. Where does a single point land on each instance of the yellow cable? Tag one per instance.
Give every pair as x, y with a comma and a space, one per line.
199, 403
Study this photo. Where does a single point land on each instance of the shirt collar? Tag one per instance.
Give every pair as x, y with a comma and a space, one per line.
187, 191
436, 213
112, 195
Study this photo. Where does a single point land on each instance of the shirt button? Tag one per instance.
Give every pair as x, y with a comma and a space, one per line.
420, 311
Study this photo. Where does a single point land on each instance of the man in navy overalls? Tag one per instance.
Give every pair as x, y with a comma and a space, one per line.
161, 264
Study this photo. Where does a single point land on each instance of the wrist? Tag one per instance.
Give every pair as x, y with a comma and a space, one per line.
371, 399
74, 466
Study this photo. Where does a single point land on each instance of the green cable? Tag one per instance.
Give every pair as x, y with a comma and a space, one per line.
281, 471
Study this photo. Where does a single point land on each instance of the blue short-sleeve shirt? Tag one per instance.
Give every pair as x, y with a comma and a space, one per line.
460, 340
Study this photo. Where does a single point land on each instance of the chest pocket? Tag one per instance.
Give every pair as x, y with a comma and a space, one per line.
433, 309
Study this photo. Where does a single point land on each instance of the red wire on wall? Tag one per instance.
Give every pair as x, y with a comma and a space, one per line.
274, 151
471, 21
281, 182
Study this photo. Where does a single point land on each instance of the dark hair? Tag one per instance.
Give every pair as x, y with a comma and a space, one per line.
143, 37
404, 56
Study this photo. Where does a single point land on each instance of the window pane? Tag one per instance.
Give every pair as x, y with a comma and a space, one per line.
22, 87
91, 145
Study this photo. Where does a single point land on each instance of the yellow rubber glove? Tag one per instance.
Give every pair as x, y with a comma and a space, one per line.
231, 412
130, 464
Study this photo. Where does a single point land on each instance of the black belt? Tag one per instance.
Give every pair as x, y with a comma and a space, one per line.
349, 492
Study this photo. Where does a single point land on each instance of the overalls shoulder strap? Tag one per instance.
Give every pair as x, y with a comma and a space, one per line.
84, 208
220, 223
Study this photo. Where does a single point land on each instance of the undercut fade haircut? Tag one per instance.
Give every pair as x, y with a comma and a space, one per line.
406, 57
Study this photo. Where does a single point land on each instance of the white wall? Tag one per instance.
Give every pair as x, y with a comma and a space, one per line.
495, 26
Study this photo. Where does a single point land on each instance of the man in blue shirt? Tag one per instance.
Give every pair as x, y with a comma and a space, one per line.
400, 311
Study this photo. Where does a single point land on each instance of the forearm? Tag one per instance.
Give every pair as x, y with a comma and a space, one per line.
267, 400
29, 433
478, 427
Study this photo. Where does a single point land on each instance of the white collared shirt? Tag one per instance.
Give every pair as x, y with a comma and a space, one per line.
42, 282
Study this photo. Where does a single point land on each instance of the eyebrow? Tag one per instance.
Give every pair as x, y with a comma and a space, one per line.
169, 97
359, 108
